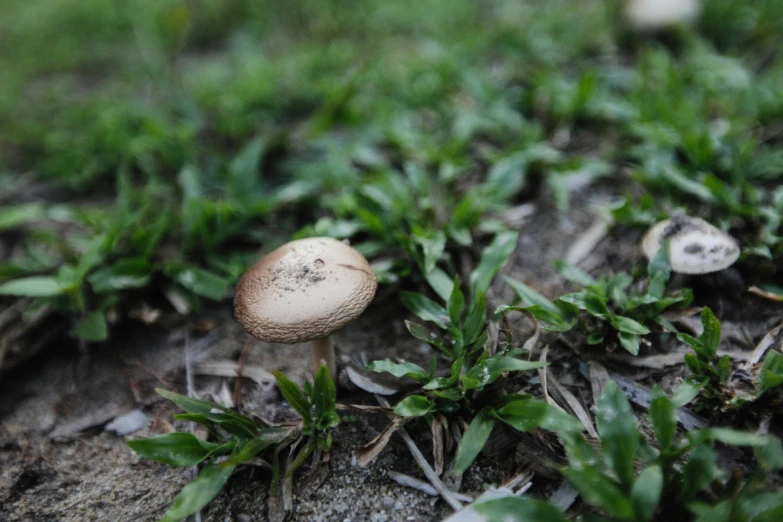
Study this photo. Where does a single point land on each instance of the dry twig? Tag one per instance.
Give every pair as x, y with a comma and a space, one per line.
441, 488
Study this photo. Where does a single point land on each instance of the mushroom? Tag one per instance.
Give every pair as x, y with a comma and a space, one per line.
654, 15
695, 246
304, 291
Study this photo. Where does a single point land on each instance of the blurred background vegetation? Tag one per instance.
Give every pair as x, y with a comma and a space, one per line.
149, 148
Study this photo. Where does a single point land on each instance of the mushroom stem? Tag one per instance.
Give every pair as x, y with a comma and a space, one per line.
323, 353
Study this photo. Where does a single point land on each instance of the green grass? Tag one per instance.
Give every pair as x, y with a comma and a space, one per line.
149, 149
188, 134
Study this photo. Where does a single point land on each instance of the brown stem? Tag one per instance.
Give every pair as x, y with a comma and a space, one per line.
323, 353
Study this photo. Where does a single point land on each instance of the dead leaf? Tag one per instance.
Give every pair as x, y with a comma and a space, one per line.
542, 373
564, 496
316, 477
574, 405
598, 378
420, 485
362, 408
369, 451
587, 241
766, 294
369, 384
763, 346
642, 396
227, 368
437, 443
531, 343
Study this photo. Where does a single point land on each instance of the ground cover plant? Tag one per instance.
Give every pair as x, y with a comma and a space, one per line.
150, 151
241, 440
677, 478
608, 302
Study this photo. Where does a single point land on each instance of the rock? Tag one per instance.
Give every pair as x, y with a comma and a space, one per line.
128, 423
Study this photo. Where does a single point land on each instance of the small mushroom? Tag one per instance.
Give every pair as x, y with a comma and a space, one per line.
304, 291
654, 15
695, 246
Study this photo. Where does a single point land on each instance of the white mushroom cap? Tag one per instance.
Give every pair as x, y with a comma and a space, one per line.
695, 246
304, 290
650, 15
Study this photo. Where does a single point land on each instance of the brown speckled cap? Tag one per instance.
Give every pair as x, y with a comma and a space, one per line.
695, 246
304, 290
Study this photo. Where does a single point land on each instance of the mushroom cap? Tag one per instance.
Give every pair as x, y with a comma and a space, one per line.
304, 290
695, 246
652, 15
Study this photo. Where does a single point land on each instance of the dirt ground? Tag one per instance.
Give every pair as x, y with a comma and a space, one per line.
57, 462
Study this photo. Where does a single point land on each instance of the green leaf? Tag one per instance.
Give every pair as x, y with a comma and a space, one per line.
202, 282
490, 369
628, 325
600, 491
177, 449
694, 343
595, 338
425, 308
11, 216
663, 417
687, 391
244, 176
646, 493
693, 364
456, 302
720, 512
724, 368
327, 421
33, 286
294, 396
91, 328
629, 342
324, 398
698, 471
580, 453
440, 282
771, 374
433, 248
411, 370
494, 257
229, 420
476, 319
526, 415
763, 507
770, 455
727, 436
473, 440
615, 289
710, 338
198, 493
414, 406
518, 509
90, 257
268, 437
619, 435
506, 177
658, 272
587, 301
126, 273
531, 297
421, 333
